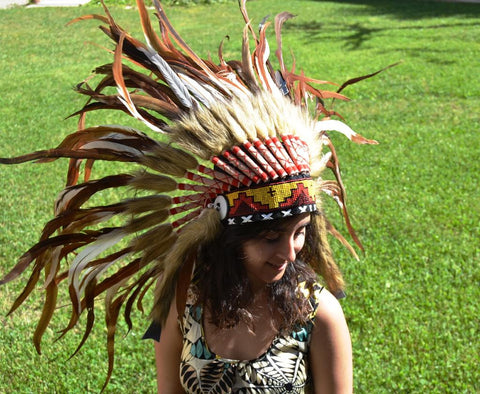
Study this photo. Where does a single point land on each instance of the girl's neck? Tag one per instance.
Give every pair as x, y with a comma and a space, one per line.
257, 287
260, 294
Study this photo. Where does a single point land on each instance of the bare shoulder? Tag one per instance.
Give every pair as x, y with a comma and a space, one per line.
330, 324
330, 348
329, 311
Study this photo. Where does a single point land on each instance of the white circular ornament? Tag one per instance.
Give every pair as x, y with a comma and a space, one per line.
221, 205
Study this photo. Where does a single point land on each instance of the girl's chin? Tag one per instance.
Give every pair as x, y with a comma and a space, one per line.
276, 272
271, 274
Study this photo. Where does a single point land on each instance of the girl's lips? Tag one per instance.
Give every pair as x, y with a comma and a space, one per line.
278, 267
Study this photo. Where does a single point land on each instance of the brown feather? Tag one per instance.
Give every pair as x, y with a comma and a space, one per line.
48, 309
280, 19
149, 33
90, 306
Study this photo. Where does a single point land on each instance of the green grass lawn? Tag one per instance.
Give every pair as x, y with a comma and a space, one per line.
412, 302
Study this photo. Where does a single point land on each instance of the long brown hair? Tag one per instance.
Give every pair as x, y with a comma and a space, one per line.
223, 285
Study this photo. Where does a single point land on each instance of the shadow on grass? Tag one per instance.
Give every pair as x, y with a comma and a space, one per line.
416, 9
357, 35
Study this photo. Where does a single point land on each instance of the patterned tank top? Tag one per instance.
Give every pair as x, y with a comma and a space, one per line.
283, 368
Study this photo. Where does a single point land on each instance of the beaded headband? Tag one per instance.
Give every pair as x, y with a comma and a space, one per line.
273, 180
273, 201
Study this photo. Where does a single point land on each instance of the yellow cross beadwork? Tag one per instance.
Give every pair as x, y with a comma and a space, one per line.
274, 194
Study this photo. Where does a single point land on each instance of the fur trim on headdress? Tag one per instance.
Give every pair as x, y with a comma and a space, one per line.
199, 231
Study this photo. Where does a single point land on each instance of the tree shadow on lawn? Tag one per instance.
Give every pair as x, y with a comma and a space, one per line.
356, 35
416, 9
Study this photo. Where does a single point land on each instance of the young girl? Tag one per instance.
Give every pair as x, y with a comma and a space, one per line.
256, 319
223, 218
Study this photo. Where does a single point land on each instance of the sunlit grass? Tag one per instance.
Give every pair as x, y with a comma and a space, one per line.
411, 302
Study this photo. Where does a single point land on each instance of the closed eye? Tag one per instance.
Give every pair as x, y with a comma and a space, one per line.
271, 236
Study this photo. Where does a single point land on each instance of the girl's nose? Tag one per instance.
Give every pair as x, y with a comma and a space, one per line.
286, 249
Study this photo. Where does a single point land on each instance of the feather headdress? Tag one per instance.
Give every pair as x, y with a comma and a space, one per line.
239, 144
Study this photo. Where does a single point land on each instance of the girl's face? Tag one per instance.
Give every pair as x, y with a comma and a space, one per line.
268, 255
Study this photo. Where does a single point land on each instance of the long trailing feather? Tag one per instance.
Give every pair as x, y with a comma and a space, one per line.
133, 146
124, 94
338, 192
56, 154
334, 190
153, 40
137, 292
247, 71
332, 230
89, 17
51, 292
280, 19
90, 306
142, 104
94, 289
134, 79
243, 10
171, 78
358, 79
52, 266
215, 79
75, 196
102, 243
112, 313
40, 248
261, 54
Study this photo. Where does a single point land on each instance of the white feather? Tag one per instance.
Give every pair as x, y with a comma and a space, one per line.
200, 92
88, 254
101, 144
335, 125
171, 78
94, 272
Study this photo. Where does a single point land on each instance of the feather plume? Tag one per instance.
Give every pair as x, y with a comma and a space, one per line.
201, 230
341, 127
